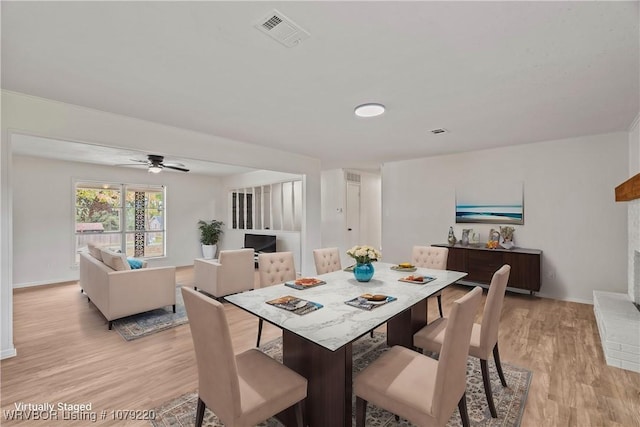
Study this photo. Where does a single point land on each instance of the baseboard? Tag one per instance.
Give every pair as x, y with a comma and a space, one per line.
11, 352
42, 283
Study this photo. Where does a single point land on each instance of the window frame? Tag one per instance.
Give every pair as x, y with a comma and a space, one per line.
123, 231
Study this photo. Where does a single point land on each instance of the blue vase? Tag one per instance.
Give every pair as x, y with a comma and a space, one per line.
363, 272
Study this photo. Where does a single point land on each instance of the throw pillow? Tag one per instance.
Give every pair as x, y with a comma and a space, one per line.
95, 251
116, 261
134, 263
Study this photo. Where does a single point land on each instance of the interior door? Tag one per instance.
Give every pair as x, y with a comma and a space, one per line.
353, 214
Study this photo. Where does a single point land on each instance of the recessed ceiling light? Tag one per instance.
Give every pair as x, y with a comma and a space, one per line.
369, 110
437, 131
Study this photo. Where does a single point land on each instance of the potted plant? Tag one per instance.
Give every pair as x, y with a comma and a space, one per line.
210, 232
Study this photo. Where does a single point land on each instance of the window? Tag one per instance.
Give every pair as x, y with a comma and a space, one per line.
275, 206
122, 217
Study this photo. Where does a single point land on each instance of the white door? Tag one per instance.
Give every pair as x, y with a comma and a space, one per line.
353, 215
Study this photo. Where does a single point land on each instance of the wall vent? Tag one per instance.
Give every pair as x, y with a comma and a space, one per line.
277, 26
353, 177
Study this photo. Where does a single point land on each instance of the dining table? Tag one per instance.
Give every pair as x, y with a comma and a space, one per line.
318, 343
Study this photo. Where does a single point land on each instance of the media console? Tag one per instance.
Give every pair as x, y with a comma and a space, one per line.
480, 263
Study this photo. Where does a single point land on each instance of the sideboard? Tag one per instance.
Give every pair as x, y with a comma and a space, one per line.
480, 263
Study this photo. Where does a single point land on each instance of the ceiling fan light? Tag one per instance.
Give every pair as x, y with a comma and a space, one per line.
155, 169
369, 110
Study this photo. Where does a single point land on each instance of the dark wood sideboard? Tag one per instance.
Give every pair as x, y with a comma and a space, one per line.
480, 263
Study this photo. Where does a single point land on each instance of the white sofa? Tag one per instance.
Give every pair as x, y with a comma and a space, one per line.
123, 292
231, 273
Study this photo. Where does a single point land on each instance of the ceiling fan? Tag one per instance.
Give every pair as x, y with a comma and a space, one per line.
156, 164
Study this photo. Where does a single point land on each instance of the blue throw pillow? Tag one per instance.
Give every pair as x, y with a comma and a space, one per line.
134, 263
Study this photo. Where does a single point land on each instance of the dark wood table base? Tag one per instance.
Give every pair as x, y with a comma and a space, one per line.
329, 372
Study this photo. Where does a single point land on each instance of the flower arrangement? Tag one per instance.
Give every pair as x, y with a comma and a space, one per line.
364, 254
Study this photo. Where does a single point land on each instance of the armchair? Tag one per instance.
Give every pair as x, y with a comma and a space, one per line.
232, 272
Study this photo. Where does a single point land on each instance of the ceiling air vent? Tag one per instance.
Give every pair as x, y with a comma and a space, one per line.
353, 177
282, 29
437, 131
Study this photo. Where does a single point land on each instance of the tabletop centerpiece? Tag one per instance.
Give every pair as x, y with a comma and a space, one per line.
364, 255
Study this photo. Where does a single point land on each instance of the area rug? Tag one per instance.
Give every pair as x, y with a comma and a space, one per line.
509, 401
150, 322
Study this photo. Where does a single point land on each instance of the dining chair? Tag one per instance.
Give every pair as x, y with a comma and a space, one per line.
416, 387
431, 257
244, 389
327, 260
232, 272
274, 268
484, 336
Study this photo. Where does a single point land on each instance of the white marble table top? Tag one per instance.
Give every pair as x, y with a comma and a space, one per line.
337, 323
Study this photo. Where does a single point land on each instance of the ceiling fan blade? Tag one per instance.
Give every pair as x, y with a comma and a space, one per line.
140, 161
176, 168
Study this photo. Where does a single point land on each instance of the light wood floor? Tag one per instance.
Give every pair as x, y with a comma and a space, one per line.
66, 354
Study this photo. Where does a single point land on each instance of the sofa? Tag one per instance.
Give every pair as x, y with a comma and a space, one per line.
119, 291
231, 273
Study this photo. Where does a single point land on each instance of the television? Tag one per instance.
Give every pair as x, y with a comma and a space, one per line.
260, 242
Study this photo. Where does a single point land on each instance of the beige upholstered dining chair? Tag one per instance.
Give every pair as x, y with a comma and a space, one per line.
431, 257
274, 268
244, 389
484, 336
416, 387
327, 260
232, 272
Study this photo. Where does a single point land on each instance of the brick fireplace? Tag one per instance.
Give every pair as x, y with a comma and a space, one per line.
618, 315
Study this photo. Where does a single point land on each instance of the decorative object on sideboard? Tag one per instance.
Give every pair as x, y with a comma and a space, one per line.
210, 232
464, 240
506, 237
475, 238
494, 239
452, 237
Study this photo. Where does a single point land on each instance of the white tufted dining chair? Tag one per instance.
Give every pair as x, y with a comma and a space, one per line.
274, 268
327, 260
431, 257
484, 336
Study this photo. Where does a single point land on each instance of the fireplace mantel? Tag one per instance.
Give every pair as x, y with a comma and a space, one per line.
628, 190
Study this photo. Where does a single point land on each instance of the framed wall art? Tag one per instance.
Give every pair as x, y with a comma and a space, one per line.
500, 202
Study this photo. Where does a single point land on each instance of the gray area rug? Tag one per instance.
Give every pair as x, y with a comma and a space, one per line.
509, 401
150, 322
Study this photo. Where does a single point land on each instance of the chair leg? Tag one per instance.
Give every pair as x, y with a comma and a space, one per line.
110, 324
440, 305
371, 334
462, 407
487, 387
174, 308
200, 413
298, 411
361, 411
496, 358
259, 332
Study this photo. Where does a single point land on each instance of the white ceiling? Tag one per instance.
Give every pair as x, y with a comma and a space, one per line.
491, 73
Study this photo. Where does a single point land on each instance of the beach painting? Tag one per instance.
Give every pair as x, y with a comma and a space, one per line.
498, 203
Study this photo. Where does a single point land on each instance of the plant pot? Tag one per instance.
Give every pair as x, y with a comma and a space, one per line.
209, 251
363, 272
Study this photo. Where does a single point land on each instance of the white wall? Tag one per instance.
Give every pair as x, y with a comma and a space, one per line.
46, 118
633, 212
43, 244
570, 211
334, 211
